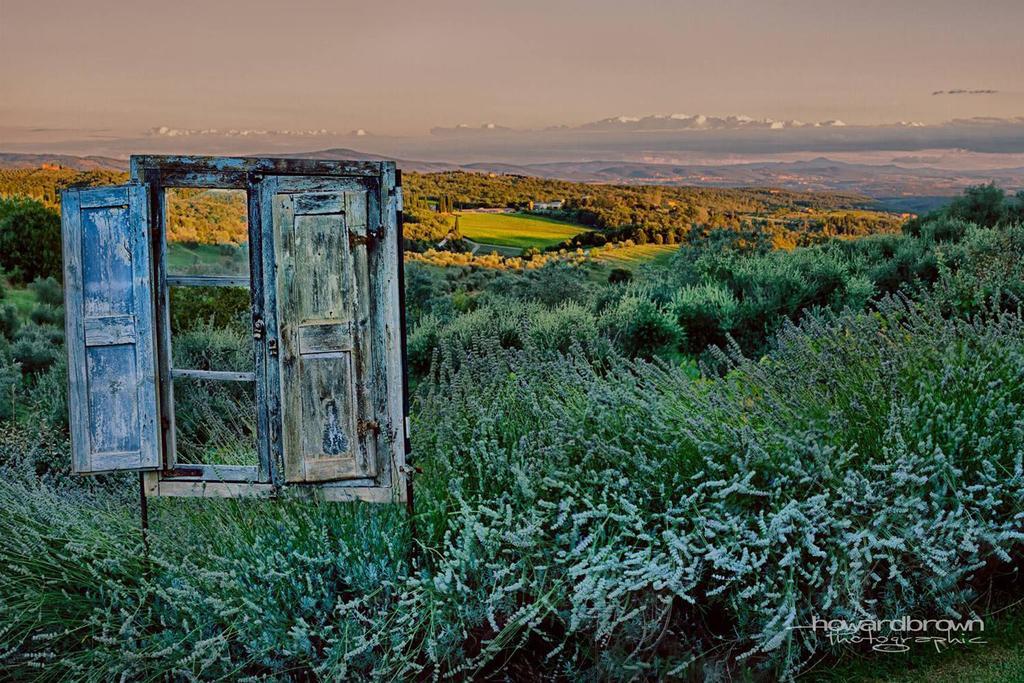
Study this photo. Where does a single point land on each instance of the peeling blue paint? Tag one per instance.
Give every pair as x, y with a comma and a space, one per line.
335, 442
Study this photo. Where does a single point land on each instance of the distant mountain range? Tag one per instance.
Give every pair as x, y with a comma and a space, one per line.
895, 185
699, 122
704, 122
821, 173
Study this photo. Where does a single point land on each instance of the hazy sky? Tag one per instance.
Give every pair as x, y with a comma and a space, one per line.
403, 67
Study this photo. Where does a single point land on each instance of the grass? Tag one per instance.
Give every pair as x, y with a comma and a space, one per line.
485, 249
23, 300
207, 259
999, 658
634, 256
516, 229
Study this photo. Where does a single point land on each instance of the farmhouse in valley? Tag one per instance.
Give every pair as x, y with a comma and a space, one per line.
555, 205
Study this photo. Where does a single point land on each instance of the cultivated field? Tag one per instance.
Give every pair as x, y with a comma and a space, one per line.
625, 257
516, 229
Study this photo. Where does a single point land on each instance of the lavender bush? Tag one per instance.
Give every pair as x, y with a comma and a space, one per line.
580, 514
573, 519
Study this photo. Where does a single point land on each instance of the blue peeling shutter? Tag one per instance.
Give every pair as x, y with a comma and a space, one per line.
112, 396
323, 316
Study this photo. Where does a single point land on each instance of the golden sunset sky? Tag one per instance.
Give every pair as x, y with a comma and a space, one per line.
400, 68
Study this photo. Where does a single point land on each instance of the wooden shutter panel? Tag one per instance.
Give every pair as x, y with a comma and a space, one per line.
323, 316
112, 397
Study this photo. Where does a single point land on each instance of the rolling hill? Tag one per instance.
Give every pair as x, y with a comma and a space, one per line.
892, 184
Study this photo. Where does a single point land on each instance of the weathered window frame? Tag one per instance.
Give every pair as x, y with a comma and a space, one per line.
383, 183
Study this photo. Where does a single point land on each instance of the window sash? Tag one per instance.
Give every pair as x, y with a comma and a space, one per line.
164, 173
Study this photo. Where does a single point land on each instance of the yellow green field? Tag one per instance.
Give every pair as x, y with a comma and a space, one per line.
624, 257
516, 229
23, 299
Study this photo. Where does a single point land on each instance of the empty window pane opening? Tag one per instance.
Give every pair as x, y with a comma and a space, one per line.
211, 327
207, 232
215, 422
213, 361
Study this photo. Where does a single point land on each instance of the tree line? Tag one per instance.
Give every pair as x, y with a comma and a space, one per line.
643, 214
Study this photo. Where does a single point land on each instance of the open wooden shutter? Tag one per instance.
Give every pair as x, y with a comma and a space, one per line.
112, 397
322, 304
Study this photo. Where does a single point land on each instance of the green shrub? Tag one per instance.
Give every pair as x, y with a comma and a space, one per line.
215, 421
463, 301
37, 347
562, 328
421, 343
549, 285
503, 322
30, 244
983, 205
762, 498
945, 229
707, 313
201, 307
10, 321
45, 314
771, 287
48, 291
985, 271
425, 288
49, 396
206, 347
640, 328
10, 378
618, 275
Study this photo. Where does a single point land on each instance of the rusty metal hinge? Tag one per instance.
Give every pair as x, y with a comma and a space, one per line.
357, 240
365, 426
